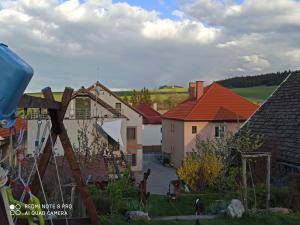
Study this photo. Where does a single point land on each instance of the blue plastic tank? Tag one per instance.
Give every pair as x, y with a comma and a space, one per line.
15, 75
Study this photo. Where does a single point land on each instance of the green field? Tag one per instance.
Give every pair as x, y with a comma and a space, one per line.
256, 94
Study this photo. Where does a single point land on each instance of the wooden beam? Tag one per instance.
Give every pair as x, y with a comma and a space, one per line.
69, 153
46, 155
268, 181
37, 102
245, 194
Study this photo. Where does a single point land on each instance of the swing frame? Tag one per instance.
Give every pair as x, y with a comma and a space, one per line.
56, 111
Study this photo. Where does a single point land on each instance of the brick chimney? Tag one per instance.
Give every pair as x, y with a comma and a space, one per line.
192, 90
199, 89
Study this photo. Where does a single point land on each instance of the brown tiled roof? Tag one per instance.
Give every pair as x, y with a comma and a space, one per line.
5, 132
150, 116
278, 120
95, 170
217, 104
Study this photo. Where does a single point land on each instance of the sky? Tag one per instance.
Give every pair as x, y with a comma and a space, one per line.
135, 44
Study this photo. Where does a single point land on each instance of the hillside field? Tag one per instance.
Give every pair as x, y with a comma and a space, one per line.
256, 94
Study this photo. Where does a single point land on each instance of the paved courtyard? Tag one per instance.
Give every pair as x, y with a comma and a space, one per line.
160, 177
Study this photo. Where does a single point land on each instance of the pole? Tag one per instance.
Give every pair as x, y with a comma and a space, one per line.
244, 162
268, 181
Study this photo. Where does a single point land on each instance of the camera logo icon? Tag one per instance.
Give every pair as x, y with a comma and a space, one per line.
15, 210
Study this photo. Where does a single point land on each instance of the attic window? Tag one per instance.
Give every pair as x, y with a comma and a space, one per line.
82, 108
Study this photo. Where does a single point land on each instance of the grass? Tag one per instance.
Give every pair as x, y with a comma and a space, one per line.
57, 95
256, 94
262, 219
185, 205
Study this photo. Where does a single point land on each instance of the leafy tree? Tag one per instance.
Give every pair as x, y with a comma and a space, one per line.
125, 99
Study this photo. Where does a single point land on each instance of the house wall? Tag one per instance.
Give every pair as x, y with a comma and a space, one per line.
181, 141
152, 134
134, 119
205, 130
173, 141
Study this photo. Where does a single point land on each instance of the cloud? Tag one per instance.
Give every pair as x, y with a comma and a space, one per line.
66, 41
179, 30
256, 61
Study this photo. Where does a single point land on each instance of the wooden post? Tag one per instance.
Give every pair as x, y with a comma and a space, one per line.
69, 153
268, 181
245, 194
46, 155
58, 129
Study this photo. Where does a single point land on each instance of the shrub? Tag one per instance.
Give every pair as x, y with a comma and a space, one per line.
189, 173
200, 172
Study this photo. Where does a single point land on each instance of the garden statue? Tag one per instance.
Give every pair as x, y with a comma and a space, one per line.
199, 206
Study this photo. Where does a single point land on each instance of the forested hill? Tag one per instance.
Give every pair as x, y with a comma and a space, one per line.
269, 79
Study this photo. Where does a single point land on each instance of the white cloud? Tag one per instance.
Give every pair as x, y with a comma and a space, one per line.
293, 55
257, 62
178, 13
179, 30
66, 41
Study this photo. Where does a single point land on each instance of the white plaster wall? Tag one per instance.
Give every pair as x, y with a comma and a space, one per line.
152, 134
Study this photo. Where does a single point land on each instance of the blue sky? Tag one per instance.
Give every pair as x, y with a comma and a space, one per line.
164, 7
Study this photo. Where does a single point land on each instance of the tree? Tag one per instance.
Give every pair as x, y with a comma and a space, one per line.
125, 99
134, 98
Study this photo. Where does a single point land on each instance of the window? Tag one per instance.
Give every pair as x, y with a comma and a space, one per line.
172, 128
219, 131
118, 107
194, 129
131, 159
82, 108
131, 133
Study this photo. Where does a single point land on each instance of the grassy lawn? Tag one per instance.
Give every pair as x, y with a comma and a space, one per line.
264, 219
185, 205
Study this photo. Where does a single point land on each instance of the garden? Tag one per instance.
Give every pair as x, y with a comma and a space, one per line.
213, 174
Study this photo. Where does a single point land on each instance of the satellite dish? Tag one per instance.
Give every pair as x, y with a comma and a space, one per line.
98, 90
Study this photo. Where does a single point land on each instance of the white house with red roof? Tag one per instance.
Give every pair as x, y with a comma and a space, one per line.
151, 129
206, 114
97, 111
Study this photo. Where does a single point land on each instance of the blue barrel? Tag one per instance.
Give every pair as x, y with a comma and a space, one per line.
15, 75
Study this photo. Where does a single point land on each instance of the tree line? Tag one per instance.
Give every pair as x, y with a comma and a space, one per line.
269, 79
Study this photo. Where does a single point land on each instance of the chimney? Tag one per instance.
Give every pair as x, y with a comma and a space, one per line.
192, 90
199, 89
154, 106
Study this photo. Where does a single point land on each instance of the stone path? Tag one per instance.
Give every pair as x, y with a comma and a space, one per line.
186, 217
160, 177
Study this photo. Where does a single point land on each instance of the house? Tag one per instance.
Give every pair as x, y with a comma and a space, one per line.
151, 129
5, 134
205, 114
99, 116
278, 121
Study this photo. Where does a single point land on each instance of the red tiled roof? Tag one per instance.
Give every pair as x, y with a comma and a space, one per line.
217, 104
5, 132
150, 116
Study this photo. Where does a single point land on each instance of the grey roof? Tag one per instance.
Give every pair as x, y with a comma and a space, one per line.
278, 120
